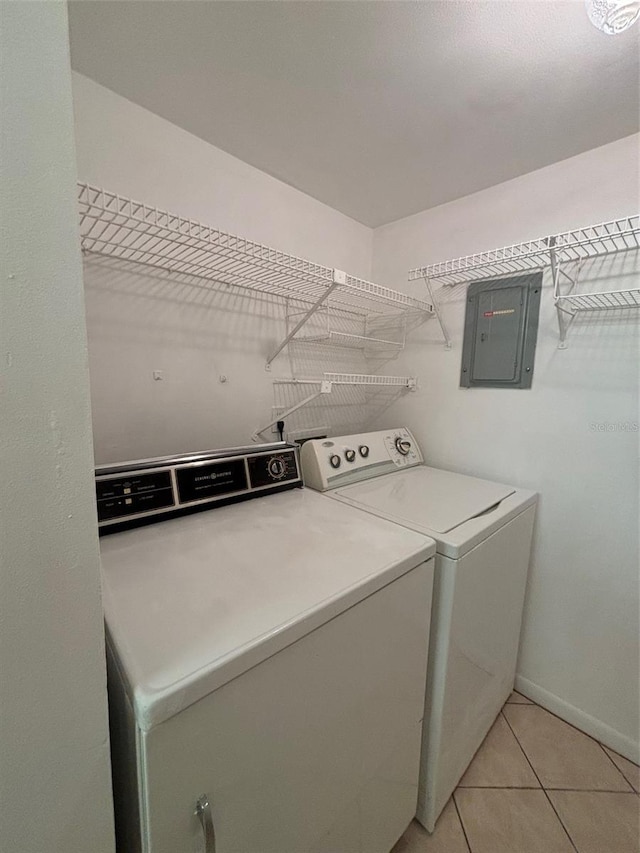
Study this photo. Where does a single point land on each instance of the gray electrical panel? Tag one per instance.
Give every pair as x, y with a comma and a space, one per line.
500, 332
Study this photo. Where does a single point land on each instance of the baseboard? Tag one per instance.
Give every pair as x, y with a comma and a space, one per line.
590, 725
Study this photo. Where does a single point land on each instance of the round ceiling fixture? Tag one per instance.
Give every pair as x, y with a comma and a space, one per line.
613, 16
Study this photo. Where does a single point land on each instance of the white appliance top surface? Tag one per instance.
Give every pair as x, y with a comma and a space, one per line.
193, 602
426, 497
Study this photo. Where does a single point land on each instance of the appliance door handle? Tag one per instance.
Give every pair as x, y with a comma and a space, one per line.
203, 813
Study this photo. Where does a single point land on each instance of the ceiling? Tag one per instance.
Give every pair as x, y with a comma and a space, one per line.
378, 109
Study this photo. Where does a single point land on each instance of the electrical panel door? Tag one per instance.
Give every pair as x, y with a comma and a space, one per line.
500, 333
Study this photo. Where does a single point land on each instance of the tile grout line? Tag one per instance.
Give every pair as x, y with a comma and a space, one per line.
560, 821
527, 701
498, 787
575, 728
628, 781
522, 750
551, 803
464, 831
532, 704
538, 787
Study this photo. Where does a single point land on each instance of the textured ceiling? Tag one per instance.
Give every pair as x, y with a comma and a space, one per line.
379, 109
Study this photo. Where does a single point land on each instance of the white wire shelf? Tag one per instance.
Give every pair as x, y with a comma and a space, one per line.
322, 387
373, 335
352, 379
571, 251
578, 245
113, 225
602, 301
352, 341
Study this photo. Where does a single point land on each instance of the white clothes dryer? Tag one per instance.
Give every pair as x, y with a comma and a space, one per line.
483, 534
267, 659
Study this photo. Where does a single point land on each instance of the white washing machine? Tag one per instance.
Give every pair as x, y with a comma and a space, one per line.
267, 660
483, 533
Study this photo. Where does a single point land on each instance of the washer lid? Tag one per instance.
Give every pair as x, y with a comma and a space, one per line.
424, 497
196, 601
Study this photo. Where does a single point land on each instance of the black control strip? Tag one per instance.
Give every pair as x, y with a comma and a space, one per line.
129, 494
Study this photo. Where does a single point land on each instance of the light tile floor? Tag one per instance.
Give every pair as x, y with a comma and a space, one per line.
537, 785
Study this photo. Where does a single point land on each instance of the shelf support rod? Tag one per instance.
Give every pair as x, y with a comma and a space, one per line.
325, 388
336, 282
565, 318
436, 308
563, 324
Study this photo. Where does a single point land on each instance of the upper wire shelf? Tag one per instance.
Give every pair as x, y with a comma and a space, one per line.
578, 245
571, 250
113, 225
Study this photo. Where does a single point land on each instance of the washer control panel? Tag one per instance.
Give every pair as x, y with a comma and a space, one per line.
331, 462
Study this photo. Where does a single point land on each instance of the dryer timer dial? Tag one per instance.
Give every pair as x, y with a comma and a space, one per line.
402, 445
276, 467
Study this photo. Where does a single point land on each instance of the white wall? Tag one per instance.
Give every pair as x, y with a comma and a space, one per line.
54, 754
139, 323
579, 651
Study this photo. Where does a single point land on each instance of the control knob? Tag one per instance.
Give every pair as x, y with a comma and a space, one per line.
403, 445
349, 455
363, 450
276, 468
334, 460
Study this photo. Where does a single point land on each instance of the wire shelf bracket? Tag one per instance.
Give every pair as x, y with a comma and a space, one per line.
325, 388
555, 252
438, 313
339, 277
371, 334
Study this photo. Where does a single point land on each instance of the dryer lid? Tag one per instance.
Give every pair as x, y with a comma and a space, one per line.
424, 497
195, 602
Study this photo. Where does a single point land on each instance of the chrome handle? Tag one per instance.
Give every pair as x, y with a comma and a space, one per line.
203, 813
